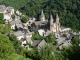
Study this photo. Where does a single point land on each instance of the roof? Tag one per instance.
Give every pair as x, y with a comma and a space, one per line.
29, 40
39, 23
15, 22
2, 8
9, 9
40, 43
19, 33
36, 42
19, 26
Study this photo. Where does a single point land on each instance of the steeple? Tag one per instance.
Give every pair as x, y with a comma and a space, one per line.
42, 16
57, 18
51, 19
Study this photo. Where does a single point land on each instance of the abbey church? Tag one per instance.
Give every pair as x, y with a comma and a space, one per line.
52, 24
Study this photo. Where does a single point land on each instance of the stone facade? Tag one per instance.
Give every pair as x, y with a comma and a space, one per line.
54, 25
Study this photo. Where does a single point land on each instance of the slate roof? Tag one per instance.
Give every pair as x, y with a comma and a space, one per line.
40, 43
19, 26
19, 33
9, 9
36, 42
2, 8
39, 23
15, 22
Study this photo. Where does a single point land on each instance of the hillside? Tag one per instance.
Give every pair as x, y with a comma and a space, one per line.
68, 10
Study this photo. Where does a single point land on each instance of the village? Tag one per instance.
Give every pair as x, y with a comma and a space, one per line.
24, 31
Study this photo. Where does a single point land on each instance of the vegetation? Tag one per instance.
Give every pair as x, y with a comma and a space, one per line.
71, 53
6, 47
5, 28
1, 18
24, 19
36, 36
13, 16
76, 41
16, 43
64, 35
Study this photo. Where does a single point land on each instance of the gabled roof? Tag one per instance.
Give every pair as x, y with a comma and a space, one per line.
19, 33
40, 43
36, 42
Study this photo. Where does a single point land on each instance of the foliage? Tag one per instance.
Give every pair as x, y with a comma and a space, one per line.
5, 28
71, 53
17, 57
6, 47
49, 53
75, 40
13, 16
24, 19
64, 35
33, 54
36, 36
16, 43
51, 39
1, 18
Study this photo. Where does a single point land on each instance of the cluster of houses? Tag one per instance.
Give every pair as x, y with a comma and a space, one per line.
24, 31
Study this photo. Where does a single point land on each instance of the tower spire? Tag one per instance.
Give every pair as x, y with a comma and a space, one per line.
42, 16
57, 17
42, 13
51, 17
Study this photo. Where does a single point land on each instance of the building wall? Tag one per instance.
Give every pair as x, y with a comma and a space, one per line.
13, 27
19, 38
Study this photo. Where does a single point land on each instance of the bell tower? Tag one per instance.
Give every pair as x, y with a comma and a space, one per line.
51, 23
57, 23
42, 17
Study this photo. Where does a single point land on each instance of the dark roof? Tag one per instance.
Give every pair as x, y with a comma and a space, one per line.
36, 42
41, 43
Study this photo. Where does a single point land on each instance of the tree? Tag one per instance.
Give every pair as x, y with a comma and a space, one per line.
6, 47
36, 36
51, 39
1, 18
71, 53
16, 43
5, 28
24, 19
75, 40
13, 16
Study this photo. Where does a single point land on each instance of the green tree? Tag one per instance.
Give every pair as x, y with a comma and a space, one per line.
16, 43
5, 28
6, 47
1, 18
75, 40
36, 36
13, 16
71, 53
24, 19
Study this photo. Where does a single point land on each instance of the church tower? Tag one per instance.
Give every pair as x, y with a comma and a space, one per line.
42, 17
51, 23
57, 23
